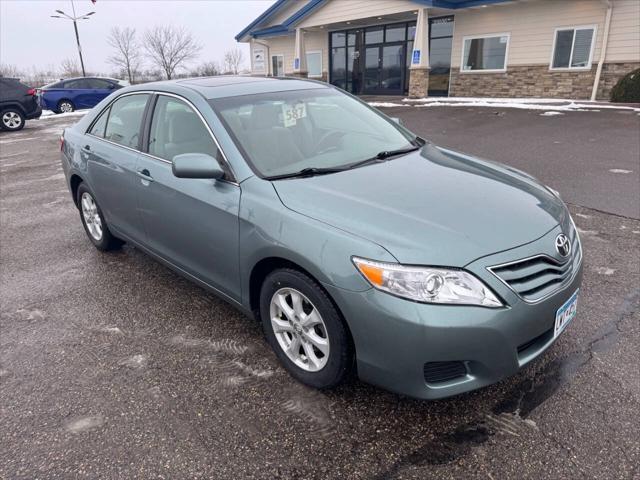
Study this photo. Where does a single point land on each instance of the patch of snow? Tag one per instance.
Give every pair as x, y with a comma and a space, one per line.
605, 270
550, 114
83, 424
47, 114
491, 99
620, 170
387, 104
547, 104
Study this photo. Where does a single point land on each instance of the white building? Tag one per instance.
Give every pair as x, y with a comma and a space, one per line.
542, 48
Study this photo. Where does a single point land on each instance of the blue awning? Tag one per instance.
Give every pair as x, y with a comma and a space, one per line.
255, 30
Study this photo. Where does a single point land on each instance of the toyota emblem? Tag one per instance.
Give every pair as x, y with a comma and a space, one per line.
563, 245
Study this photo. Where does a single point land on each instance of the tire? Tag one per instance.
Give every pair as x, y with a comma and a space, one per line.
12, 120
93, 221
65, 106
320, 371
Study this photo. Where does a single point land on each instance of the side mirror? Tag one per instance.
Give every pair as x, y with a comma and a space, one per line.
196, 165
397, 120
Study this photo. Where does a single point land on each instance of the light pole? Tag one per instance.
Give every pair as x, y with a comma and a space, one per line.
74, 18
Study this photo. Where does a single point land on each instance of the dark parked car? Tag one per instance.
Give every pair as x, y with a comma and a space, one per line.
77, 93
18, 103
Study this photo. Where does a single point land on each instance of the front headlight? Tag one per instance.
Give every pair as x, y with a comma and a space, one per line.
427, 284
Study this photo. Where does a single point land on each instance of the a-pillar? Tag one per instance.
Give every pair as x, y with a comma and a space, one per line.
419, 70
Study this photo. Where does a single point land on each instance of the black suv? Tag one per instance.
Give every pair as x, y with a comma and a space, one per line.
18, 103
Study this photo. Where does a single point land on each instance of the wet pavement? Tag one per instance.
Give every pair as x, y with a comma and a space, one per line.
112, 366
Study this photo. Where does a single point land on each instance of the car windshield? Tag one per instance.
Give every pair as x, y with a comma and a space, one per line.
282, 133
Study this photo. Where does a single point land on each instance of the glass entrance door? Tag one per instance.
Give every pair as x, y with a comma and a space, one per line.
371, 60
440, 40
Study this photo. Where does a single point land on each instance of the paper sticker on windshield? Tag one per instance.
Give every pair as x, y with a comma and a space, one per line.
292, 113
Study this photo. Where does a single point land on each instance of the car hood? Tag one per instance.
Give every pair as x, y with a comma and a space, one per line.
430, 207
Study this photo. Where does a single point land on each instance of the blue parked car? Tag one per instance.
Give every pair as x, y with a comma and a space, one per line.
77, 93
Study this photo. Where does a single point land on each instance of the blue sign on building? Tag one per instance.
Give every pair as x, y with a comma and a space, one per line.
296, 63
416, 57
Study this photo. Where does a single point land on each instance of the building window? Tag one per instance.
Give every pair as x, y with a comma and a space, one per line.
314, 64
485, 53
277, 65
573, 47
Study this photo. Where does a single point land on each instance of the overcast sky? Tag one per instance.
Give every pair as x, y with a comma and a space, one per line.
29, 36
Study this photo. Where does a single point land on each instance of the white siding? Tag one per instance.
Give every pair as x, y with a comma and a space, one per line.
282, 46
289, 10
531, 24
624, 35
314, 41
344, 10
318, 41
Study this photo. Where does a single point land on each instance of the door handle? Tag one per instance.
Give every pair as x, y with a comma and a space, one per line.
145, 175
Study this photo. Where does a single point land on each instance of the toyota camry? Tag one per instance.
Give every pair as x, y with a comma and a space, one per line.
361, 248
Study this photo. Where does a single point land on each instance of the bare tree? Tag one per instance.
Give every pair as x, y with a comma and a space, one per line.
7, 70
207, 69
70, 68
233, 60
127, 50
170, 48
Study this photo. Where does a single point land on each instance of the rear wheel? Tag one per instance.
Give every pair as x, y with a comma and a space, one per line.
305, 329
65, 106
93, 221
12, 120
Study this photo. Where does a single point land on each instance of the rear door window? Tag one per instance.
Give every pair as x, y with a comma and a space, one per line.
79, 84
125, 118
98, 83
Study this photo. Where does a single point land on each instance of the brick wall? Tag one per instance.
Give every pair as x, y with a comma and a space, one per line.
611, 73
523, 81
418, 82
538, 81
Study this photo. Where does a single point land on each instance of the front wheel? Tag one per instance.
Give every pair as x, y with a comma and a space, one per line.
12, 120
93, 221
65, 106
305, 329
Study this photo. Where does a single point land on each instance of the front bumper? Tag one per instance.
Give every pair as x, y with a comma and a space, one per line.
395, 338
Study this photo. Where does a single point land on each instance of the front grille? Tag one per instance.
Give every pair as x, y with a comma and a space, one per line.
538, 277
438, 372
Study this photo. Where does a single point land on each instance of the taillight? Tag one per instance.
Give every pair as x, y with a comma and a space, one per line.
62, 142
31, 91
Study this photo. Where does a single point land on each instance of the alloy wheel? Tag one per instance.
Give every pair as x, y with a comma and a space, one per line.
299, 329
66, 107
91, 216
11, 120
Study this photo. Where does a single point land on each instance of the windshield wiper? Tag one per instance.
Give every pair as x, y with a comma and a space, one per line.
312, 171
307, 172
384, 155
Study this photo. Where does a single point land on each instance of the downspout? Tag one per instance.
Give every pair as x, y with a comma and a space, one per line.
603, 50
267, 60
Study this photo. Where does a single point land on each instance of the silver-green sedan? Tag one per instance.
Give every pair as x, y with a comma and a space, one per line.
361, 247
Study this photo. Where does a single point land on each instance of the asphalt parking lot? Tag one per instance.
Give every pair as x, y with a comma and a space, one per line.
112, 366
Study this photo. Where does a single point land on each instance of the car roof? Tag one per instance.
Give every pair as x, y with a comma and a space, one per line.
234, 85
85, 78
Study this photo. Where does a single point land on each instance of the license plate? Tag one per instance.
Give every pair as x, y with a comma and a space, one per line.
565, 314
